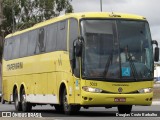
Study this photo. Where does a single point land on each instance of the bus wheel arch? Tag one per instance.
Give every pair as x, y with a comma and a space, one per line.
67, 108
59, 107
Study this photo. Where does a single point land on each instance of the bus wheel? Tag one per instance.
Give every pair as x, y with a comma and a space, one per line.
17, 104
68, 109
122, 109
59, 108
26, 106
2, 100
9, 102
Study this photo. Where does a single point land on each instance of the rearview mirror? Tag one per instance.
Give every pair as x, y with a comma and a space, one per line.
156, 54
78, 46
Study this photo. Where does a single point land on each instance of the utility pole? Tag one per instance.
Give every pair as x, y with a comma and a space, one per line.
101, 5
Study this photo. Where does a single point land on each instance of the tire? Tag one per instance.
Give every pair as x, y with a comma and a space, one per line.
2, 100
68, 109
26, 106
9, 102
59, 108
17, 104
122, 109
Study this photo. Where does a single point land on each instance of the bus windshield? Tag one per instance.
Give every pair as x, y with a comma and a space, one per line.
117, 49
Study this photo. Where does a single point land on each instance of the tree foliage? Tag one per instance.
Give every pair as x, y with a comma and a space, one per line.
21, 14
25, 13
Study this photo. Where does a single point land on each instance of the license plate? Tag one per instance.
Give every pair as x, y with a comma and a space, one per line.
119, 99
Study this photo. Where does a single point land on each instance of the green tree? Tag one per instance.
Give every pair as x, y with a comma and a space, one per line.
25, 13
21, 14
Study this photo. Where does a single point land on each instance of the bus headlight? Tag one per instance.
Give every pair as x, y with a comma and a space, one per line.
90, 89
145, 90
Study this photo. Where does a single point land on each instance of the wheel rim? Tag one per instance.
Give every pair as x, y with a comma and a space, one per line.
16, 101
23, 101
66, 106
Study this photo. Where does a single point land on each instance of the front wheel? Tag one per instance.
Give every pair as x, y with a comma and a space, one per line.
122, 109
68, 109
26, 106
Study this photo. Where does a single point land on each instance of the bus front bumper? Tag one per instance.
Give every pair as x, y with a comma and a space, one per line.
88, 98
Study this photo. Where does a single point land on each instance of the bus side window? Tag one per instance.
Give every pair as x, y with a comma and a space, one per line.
73, 35
51, 38
5, 49
41, 40
62, 35
32, 40
15, 46
23, 45
10, 49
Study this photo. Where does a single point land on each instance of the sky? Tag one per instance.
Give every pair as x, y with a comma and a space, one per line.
150, 9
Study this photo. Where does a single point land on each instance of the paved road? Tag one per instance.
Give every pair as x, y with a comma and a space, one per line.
84, 114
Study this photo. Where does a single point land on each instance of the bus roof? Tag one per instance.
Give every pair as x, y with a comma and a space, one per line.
79, 16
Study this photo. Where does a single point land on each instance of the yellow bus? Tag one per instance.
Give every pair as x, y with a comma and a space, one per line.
81, 60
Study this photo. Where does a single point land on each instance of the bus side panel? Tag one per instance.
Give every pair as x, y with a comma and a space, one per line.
8, 88
5, 88
71, 89
29, 83
40, 83
51, 85
64, 75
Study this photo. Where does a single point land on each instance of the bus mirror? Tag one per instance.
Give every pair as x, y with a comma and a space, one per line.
78, 48
156, 54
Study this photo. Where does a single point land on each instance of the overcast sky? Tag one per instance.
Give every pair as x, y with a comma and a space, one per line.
147, 8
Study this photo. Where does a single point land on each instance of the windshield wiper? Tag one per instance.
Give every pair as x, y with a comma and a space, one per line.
107, 65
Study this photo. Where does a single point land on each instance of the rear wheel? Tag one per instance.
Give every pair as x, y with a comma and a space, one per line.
26, 106
68, 109
17, 104
2, 100
122, 109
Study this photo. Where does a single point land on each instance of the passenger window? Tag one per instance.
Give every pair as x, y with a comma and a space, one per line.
73, 35
15, 47
62, 35
23, 45
51, 38
10, 48
41, 43
33, 36
5, 49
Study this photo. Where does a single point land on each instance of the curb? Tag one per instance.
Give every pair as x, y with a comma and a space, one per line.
156, 103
